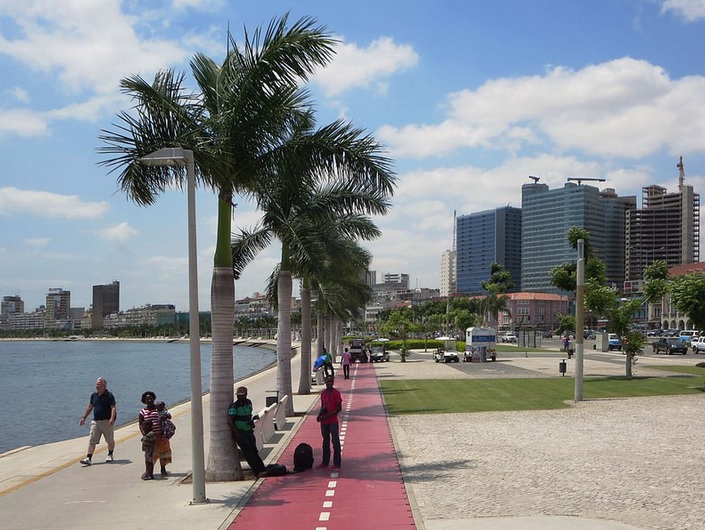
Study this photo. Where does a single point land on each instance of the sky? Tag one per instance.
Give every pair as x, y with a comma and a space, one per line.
468, 98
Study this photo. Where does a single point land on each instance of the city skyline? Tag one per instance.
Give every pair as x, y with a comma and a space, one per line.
470, 98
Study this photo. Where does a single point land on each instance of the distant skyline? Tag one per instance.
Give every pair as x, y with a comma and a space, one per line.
469, 97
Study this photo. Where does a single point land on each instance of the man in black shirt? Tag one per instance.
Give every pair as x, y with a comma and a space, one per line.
102, 403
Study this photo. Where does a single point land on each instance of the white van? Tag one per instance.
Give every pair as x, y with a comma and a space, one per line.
480, 345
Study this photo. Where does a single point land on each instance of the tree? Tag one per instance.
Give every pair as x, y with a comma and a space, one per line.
398, 326
621, 323
687, 294
235, 123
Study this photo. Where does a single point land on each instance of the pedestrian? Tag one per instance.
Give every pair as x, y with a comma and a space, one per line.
148, 441
345, 359
162, 445
327, 364
242, 426
331, 405
102, 403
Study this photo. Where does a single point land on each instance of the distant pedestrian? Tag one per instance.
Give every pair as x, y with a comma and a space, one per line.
148, 441
102, 403
345, 359
162, 445
242, 426
331, 405
327, 364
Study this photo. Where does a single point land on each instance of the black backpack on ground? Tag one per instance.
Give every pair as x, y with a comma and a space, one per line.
275, 470
303, 457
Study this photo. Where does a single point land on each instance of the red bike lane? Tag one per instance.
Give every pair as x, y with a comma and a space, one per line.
367, 490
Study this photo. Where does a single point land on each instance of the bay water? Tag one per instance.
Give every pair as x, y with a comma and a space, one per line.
45, 386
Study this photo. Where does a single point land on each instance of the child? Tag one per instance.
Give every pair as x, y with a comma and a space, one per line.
163, 413
148, 447
165, 424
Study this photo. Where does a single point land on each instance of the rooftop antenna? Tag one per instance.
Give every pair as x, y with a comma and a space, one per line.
579, 180
535, 179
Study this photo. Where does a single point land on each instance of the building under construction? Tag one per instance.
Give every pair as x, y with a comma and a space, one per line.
667, 227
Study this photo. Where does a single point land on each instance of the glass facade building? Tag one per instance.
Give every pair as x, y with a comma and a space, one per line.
484, 238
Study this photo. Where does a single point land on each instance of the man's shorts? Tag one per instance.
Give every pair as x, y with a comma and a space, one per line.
101, 427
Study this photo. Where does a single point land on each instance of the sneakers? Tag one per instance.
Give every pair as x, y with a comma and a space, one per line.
334, 468
322, 466
86, 462
146, 476
109, 458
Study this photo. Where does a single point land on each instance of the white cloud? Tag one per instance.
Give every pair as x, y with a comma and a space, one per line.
690, 10
20, 94
46, 204
37, 241
624, 108
121, 232
90, 44
354, 67
22, 122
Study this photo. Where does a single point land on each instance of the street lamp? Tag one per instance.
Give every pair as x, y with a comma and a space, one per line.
177, 156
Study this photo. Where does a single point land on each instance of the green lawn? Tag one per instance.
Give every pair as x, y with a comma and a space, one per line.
437, 396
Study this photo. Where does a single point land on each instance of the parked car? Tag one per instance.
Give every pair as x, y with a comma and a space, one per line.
615, 343
378, 354
698, 345
688, 336
669, 345
509, 336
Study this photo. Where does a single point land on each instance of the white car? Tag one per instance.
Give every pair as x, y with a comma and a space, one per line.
698, 345
509, 337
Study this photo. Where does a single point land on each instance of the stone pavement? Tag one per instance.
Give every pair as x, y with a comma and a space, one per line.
45, 487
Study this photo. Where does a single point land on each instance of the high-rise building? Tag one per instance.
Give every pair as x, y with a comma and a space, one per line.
106, 300
547, 215
58, 309
484, 238
448, 272
667, 227
11, 305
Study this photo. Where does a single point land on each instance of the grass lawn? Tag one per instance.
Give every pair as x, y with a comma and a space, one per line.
438, 396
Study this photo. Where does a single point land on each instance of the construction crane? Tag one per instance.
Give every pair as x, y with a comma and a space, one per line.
579, 180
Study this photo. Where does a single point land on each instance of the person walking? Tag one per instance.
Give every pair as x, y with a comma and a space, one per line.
162, 445
345, 359
328, 364
242, 426
102, 404
331, 405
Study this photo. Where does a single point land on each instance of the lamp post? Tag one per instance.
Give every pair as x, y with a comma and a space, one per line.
179, 157
579, 320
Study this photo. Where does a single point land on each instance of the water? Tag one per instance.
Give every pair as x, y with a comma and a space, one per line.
45, 385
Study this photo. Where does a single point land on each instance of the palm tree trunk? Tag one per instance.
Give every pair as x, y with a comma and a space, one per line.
284, 385
223, 463
320, 330
305, 372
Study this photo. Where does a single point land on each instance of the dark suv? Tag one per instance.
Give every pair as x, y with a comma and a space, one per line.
669, 345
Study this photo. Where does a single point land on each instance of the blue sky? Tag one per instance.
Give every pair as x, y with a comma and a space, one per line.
469, 98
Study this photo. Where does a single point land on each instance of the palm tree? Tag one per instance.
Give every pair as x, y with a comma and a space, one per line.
328, 177
234, 125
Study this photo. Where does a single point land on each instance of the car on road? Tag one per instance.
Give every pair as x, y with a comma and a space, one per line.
378, 354
669, 345
698, 345
614, 342
357, 350
509, 336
